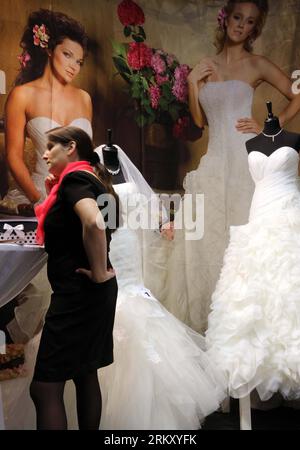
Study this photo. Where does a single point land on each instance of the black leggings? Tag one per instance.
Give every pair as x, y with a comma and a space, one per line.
50, 408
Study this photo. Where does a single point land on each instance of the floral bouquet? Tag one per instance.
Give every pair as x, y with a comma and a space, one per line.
157, 81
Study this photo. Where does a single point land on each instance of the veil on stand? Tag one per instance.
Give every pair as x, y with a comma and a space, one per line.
152, 244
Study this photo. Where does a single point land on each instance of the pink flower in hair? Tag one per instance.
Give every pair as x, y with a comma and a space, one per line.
24, 58
222, 16
40, 36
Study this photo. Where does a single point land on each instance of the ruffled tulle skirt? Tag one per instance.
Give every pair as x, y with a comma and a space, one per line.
254, 325
161, 377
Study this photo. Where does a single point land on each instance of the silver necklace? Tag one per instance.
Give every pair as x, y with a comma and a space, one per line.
114, 172
273, 135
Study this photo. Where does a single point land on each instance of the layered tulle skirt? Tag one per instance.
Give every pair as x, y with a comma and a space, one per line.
254, 324
161, 377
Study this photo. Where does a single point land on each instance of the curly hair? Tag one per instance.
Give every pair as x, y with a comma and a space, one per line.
59, 26
220, 36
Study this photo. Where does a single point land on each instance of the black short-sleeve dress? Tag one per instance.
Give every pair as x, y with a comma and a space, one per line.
78, 333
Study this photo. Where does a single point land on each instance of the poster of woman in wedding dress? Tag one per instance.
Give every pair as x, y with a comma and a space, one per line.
176, 272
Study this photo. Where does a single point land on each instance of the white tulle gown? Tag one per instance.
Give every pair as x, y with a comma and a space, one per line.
161, 377
254, 326
35, 298
193, 267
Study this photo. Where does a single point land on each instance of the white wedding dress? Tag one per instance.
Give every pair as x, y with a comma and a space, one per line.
36, 129
224, 179
254, 326
34, 299
161, 377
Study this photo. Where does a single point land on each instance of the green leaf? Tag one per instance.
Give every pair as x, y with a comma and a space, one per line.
174, 112
145, 101
164, 104
136, 90
145, 83
125, 77
141, 120
119, 49
142, 32
137, 38
127, 31
152, 119
121, 65
167, 91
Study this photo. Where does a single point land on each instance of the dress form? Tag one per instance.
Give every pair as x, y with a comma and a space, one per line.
111, 160
273, 136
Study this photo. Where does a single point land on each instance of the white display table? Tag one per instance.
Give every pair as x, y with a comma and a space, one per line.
19, 264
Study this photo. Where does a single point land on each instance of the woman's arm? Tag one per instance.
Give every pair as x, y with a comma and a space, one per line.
94, 240
196, 81
15, 123
278, 79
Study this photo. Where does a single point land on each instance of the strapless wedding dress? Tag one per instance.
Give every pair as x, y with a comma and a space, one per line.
36, 129
161, 377
254, 325
193, 267
34, 300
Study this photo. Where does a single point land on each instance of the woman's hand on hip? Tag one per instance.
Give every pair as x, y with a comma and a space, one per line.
248, 125
110, 273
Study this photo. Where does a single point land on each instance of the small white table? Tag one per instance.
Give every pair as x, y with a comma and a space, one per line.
19, 264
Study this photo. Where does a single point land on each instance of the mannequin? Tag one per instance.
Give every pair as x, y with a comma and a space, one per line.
273, 136
111, 160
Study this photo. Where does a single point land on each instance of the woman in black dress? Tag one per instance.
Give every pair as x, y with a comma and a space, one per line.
77, 335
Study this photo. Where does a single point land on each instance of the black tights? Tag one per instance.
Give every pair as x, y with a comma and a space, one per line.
50, 408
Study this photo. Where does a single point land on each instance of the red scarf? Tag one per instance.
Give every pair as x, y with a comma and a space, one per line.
42, 210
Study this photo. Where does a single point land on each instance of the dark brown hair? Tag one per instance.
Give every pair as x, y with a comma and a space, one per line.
220, 36
59, 26
85, 150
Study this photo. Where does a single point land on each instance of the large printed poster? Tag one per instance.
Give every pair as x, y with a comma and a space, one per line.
197, 100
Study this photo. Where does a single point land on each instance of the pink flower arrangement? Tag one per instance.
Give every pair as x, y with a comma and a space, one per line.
158, 64
155, 95
139, 55
157, 81
161, 79
130, 13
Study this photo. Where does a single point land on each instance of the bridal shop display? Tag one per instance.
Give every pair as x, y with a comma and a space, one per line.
112, 317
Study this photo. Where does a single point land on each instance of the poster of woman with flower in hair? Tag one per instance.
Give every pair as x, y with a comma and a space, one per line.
132, 99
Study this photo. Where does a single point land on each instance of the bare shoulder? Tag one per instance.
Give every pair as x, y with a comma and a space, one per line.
85, 96
260, 62
80, 94
20, 96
